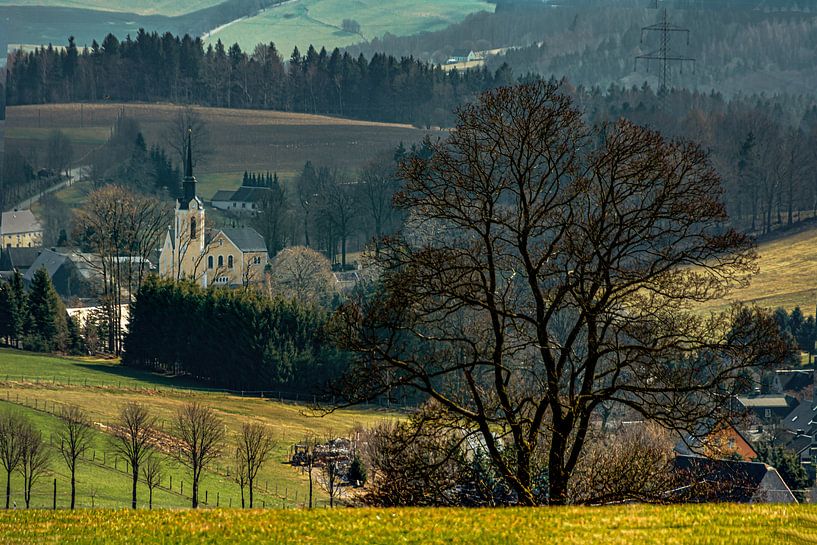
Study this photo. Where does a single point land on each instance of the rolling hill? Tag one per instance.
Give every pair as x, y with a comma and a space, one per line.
38, 386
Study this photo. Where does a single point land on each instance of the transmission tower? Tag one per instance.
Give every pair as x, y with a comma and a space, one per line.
664, 54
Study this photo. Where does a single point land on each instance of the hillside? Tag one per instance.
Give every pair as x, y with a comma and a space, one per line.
787, 275
39, 385
713, 524
240, 139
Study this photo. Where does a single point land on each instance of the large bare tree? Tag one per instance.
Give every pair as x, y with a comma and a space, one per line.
35, 459
549, 267
188, 121
255, 446
122, 229
134, 433
201, 433
74, 434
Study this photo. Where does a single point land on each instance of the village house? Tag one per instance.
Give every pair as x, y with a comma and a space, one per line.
705, 480
244, 200
20, 229
225, 257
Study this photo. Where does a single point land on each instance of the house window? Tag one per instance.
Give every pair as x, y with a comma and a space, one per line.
192, 228
257, 260
209, 262
220, 261
230, 262
243, 205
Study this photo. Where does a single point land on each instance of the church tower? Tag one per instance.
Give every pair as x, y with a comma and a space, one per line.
186, 243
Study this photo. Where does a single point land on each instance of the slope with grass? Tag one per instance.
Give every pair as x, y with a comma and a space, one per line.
692, 524
140, 7
40, 385
787, 275
319, 22
240, 139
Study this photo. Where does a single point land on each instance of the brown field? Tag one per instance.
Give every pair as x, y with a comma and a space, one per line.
241, 139
787, 275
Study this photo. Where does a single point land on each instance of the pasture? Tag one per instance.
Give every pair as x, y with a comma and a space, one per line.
140, 7
241, 140
39, 385
787, 275
319, 22
715, 524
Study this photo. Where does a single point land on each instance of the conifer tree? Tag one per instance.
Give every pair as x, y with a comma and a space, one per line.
47, 316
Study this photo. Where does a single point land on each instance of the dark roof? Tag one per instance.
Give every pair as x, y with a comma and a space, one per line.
801, 418
795, 380
249, 194
246, 239
460, 52
51, 261
704, 479
799, 443
223, 195
18, 258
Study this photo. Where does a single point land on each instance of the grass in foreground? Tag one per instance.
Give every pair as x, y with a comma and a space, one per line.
698, 524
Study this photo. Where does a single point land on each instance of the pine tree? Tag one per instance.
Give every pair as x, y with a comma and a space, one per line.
47, 326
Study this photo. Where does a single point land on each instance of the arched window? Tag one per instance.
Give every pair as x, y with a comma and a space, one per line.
192, 228
230, 262
209, 262
220, 261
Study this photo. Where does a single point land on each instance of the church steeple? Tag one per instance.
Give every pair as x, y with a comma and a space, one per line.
189, 183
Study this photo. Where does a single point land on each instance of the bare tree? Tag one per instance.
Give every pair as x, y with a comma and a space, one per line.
378, 184
239, 469
201, 433
35, 459
153, 471
302, 274
551, 267
134, 433
75, 434
188, 120
59, 153
255, 447
122, 229
331, 480
12, 425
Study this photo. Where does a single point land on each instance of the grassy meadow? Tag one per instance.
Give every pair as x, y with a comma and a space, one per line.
38, 385
319, 22
240, 139
712, 524
140, 7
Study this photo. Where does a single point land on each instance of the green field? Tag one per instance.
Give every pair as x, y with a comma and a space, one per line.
38, 385
141, 7
625, 525
318, 22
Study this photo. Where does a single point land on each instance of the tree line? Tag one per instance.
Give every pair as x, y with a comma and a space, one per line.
36, 319
152, 67
198, 438
231, 338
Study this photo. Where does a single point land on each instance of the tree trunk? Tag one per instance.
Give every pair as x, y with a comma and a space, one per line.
8, 488
242, 497
251, 494
150, 498
195, 492
73, 486
133, 490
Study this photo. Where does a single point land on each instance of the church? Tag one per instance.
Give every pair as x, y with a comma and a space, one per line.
211, 257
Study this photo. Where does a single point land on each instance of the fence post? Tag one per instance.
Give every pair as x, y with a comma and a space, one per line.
54, 504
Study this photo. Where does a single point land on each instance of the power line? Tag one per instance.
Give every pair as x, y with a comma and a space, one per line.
664, 54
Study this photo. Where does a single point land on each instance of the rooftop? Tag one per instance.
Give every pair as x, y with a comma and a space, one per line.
19, 221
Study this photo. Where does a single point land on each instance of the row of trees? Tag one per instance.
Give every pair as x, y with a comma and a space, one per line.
199, 438
35, 318
153, 67
238, 339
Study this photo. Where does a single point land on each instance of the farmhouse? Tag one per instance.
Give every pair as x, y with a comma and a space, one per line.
705, 480
226, 257
461, 55
245, 200
20, 229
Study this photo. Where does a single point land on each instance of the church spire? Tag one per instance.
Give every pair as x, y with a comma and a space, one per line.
189, 183
188, 166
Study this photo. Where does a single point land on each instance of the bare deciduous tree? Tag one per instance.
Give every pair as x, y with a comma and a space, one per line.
153, 471
134, 433
255, 447
239, 469
74, 434
551, 267
201, 433
12, 425
188, 120
35, 459
302, 274
331, 481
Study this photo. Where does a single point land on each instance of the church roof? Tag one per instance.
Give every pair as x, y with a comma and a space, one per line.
246, 239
